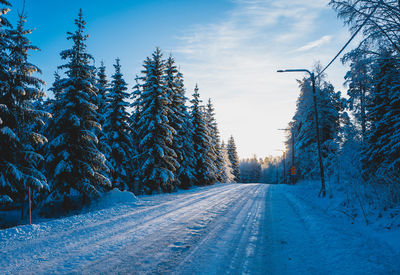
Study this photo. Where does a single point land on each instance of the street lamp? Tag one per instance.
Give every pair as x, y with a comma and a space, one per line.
321, 167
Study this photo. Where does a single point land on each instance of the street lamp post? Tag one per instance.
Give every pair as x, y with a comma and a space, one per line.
321, 167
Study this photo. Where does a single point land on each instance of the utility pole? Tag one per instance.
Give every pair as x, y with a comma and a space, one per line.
284, 168
292, 168
321, 167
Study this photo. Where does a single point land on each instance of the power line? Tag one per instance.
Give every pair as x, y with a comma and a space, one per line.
351, 38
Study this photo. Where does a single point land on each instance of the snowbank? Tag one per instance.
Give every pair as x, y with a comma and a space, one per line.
113, 198
350, 205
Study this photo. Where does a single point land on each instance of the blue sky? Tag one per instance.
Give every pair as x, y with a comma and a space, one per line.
231, 48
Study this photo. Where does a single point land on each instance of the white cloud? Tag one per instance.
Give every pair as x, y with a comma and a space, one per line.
317, 43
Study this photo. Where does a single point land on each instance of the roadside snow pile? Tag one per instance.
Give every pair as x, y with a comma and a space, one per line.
353, 204
113, 198
350, 201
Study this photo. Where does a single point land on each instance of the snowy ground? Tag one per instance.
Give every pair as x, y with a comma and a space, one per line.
222, 229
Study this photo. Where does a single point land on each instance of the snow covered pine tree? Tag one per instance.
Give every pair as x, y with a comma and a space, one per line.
74, 160
119, 148
205, 170
215, 141
19, 162
381, 158
157, 161
227, 175
102, 89
233, 158
180, 121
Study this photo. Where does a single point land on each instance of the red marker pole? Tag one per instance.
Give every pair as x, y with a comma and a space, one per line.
29, 196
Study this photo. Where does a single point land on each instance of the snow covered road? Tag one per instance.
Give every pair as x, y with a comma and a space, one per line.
222, 229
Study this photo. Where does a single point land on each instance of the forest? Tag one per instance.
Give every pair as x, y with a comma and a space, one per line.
102, 176
92, 134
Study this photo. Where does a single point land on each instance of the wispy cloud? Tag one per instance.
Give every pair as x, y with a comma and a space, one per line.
314, 44
234, 60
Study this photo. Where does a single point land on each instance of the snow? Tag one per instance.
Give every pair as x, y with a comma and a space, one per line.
4, 199
220, 229
8, 132
113, 198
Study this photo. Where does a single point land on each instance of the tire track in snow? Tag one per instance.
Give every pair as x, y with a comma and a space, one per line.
92, 220
163, 250
229, 246
88, 223
112, 232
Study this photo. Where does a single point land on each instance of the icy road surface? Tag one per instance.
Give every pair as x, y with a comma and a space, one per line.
223, 229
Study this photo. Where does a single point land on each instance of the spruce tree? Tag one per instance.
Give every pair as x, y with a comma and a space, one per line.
303, 129
204, 163
381, 157
117, 132
5, 42
102, 86
74, 160
157, 162
330, 107
233, 158
358, 80
180, 121
216, 141
7, 137
227, 175
138, 187
20, 120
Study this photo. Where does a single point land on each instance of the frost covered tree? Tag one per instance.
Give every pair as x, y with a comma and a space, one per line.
303, 128
7, 140
157, 161
250, 170
233, 158
74, 161
117, 137
55, 89
382, 28
215, 141
330, 107
102, 86
136, 109
19, 120
227, 175
359, 81
180, 121
381, 156
4, 45
205, 170
374, 64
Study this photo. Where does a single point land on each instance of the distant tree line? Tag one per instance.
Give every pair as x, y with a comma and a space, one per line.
96, 134
258, 170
